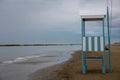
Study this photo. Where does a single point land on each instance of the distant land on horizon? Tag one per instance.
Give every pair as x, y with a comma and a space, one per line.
38, 44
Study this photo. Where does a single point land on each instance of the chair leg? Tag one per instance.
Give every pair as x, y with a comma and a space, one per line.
85, 63
84, 70
84, 67
103, 68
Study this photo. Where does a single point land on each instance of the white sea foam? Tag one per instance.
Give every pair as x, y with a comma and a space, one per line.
24, 58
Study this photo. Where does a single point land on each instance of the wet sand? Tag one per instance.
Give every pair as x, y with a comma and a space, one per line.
72, 69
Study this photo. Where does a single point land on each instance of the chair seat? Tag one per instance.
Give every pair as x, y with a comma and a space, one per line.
93, 58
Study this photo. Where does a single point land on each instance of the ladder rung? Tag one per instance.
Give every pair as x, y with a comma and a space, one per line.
93, 58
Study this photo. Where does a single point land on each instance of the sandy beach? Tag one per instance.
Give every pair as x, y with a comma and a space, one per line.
72, 69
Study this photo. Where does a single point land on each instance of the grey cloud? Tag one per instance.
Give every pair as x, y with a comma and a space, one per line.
48, 12
23, 16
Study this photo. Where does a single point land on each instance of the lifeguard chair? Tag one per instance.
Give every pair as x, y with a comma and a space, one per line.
95, 43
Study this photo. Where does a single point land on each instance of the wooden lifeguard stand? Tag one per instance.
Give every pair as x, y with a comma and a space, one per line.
95, 43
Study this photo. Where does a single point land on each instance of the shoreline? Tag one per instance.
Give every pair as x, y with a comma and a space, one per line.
72, 69
50, 71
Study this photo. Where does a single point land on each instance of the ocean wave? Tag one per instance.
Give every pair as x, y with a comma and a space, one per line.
20, 59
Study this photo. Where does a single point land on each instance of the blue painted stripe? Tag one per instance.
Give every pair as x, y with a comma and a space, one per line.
99, 44
87, 49
92, 43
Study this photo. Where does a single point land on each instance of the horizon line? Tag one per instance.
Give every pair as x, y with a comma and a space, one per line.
45, 44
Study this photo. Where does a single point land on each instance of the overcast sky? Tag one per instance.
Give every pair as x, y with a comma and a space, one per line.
33, 21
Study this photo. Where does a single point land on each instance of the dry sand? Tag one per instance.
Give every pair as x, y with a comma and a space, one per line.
72, 69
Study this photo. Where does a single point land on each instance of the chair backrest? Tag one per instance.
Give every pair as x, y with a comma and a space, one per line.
93, 43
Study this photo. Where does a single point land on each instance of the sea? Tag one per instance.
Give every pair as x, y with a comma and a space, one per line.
18, 62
